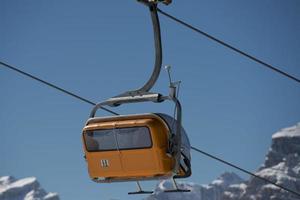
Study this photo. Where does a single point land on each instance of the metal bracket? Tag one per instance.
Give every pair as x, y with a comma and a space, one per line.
173, 85
166, 2
176, 189
134, 98
140, 190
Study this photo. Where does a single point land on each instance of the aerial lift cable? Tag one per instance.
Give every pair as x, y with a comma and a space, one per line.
110, 111
245, 171
54, 86
271, 67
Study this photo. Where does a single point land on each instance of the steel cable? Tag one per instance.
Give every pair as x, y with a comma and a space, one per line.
112, 112
229, 46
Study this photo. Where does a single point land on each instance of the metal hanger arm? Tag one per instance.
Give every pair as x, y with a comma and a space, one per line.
158, 52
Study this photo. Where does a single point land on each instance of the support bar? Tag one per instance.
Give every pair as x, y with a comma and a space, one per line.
158, 51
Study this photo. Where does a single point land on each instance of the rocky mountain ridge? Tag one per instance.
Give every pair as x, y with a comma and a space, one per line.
23, 189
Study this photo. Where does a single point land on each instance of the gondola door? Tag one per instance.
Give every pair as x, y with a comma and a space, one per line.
137, 155
103, 158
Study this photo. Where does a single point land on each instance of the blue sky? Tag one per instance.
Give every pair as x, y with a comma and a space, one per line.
99, 49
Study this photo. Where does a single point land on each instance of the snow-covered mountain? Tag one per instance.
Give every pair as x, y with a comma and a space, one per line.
23, 189
282, 166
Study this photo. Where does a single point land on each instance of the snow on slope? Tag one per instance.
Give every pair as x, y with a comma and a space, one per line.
212, 191
289, 132
281, 166
23, 189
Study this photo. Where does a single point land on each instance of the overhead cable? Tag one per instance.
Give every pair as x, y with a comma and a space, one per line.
112, 112
245, 171
275, 69
53, 86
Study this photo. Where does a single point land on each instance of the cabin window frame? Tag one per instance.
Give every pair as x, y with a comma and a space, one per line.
119, 149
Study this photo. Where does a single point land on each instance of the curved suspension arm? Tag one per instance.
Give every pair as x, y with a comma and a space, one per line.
158, 51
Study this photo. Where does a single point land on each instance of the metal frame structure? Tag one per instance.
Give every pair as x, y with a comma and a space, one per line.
143, 94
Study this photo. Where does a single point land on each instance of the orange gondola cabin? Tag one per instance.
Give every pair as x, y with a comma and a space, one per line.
133, 147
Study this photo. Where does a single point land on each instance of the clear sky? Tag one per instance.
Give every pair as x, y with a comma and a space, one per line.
99, 49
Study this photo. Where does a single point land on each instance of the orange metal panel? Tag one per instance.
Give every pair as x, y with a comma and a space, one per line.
132, 164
